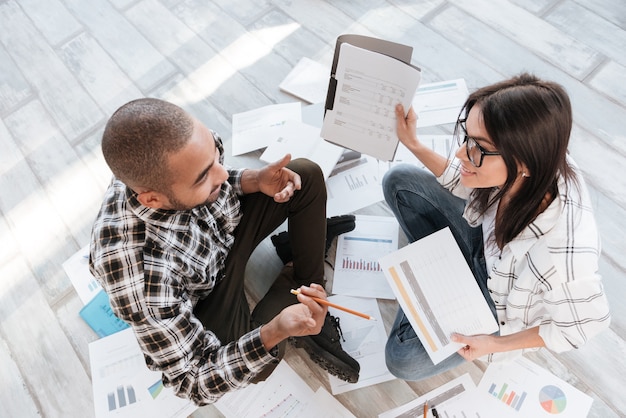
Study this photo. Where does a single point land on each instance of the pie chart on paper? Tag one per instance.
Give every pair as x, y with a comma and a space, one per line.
552, 399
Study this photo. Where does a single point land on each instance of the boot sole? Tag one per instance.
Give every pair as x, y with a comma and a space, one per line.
336, 367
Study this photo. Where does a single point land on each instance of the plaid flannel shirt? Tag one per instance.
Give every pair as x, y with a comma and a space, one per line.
155, 265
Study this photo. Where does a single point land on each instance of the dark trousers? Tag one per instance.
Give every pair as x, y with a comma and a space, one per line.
225, 311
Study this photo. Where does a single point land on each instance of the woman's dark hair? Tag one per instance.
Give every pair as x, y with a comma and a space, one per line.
529, 121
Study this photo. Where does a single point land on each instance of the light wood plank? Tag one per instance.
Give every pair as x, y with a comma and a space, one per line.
613, 11
418, 9
320, 18
47, 361
589, 28
69, 105
439, 58
62, 173
132, 52
246, 11
40, 235
535, 6
51, 17
535, 34
98, 73
215, 77
604, 81
21, 404
13, 87
597, 114
300, 42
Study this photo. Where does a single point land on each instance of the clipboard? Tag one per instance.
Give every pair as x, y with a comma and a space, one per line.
392, 49
372, 75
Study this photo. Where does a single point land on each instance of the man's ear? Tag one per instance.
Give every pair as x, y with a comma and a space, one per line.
152, 199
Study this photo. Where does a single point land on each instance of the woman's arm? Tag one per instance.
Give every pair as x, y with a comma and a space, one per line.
477, 346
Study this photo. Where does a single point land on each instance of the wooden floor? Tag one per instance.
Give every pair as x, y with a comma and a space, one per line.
66, 65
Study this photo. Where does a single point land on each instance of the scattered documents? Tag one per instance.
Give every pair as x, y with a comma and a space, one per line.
453, 399
123, 386
364, 340
357, 271
439, 103
77, 269
96, 312
368, 87
516, 389
284, 394
438, 293
308, 81
256, 128
441, 144
302, 141
358, 185
521, 388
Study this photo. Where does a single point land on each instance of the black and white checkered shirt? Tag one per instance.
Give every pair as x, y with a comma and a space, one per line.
155, 265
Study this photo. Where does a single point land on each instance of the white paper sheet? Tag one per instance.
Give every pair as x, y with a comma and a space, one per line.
357, 271
369, 85
356, 186
308, 80
123, 386
364, 340
284, 394
439, 103
256, 128
521, 388
302, 141
77, 269
441, 144
438, 293
454, 399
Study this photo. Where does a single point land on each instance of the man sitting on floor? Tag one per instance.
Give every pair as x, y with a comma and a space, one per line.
170, 246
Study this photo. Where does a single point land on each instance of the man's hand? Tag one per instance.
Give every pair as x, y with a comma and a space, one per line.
277, 181
304, 318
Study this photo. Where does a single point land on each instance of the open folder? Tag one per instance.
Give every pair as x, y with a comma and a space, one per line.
369, 76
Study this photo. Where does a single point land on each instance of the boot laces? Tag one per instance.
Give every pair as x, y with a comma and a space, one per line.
335, 322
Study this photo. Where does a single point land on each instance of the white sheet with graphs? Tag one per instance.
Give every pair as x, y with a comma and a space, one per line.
438, 293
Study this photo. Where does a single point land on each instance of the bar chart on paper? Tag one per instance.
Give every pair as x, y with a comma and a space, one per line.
357, 271
508, 396
521, 388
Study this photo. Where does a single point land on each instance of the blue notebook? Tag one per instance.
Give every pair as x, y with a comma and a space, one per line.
100, 317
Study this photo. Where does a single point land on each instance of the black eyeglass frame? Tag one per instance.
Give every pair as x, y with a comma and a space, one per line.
466, 139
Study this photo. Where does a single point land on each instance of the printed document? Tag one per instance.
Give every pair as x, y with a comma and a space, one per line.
256, 128
123, 386
302, 141
369, 85
439, 103
357, 271
438, 293
308, 81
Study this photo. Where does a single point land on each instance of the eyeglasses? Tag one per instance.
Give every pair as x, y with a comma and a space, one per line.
475, 153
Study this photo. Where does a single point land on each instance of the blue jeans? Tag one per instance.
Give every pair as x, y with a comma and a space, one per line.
422, 206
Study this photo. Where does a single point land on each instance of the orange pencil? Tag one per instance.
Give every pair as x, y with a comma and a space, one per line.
425, 409
334, 305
